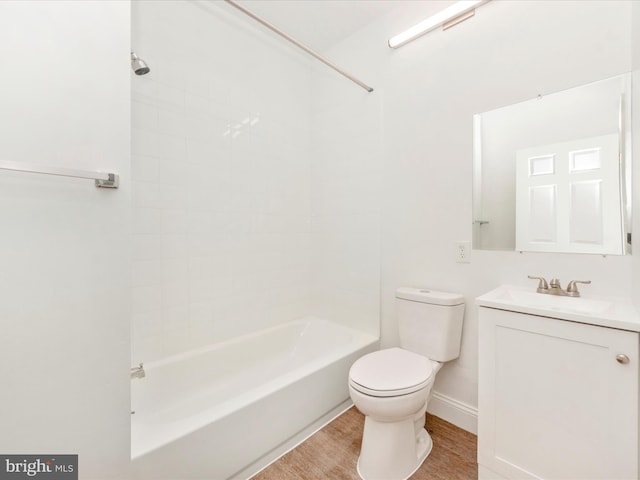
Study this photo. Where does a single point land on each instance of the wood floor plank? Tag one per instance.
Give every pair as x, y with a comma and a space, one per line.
332, 453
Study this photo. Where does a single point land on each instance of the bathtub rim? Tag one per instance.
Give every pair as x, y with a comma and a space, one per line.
183, 356
361, 340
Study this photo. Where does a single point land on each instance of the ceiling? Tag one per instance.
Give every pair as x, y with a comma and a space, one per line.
321, 23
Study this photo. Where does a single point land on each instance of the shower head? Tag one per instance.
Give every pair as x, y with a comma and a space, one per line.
138, 65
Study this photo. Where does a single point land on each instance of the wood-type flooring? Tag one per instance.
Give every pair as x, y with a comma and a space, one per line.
332, 453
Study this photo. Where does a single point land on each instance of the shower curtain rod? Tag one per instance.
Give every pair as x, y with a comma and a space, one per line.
310, 51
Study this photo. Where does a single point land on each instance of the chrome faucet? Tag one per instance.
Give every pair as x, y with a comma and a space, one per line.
137, 372
554, 287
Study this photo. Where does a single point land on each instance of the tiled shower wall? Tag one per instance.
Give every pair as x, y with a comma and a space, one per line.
226, 240
346, 173
221, 179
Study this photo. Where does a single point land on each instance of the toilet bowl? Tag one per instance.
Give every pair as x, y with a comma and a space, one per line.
391, 387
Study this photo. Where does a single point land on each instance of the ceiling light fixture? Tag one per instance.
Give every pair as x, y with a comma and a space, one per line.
447, 18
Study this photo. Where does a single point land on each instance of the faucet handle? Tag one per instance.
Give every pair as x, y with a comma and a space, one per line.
543, 286
572, 288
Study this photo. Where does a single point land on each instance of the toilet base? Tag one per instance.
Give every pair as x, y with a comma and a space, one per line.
392, 450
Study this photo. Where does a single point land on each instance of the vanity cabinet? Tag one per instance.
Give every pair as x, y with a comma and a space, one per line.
558, 399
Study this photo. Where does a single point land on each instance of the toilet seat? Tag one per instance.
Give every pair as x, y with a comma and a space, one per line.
391, 372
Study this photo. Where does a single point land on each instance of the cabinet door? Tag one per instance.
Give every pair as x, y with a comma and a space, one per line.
554, 403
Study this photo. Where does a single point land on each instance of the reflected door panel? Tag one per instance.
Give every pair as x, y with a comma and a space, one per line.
568, 197
565, 175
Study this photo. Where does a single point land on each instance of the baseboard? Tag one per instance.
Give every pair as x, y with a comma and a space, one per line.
454, 411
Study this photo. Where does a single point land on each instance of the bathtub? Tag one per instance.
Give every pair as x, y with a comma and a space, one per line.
215, 412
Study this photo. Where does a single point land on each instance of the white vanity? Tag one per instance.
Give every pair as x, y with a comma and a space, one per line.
558, 387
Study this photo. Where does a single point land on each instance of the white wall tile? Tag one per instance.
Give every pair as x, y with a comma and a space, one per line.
172, 172
174, 245
144, 168
146, 220
144, 115
146, 246
146, 273
146, 142
175, 295
170, 147
174, 221
146, 299
145, 195
171, 196
213, 149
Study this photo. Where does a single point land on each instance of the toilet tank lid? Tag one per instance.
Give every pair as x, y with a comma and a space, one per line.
425, 295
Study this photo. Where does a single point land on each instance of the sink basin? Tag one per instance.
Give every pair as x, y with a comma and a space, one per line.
555, 302
609, 312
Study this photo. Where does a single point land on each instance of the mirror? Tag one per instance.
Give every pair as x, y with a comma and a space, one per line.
549, 174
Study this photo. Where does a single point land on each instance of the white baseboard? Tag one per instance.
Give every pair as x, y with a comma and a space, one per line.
454, 411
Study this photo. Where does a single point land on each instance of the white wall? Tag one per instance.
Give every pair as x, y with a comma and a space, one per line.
65, 310
509, 52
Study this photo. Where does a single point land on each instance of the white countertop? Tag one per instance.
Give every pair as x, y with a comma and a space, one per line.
603, 311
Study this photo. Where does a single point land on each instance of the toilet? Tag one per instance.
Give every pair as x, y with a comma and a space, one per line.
391, 387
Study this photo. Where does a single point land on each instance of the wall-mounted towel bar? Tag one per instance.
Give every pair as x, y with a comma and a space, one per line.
102, 179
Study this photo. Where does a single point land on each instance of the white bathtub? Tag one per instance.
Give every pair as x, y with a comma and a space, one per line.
213, 412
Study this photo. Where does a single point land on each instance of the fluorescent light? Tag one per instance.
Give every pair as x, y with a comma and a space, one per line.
457, 9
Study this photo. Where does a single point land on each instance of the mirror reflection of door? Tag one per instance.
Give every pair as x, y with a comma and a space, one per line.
568, 197
565, 218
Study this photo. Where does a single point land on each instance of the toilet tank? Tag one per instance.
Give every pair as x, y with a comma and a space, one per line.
430, 322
